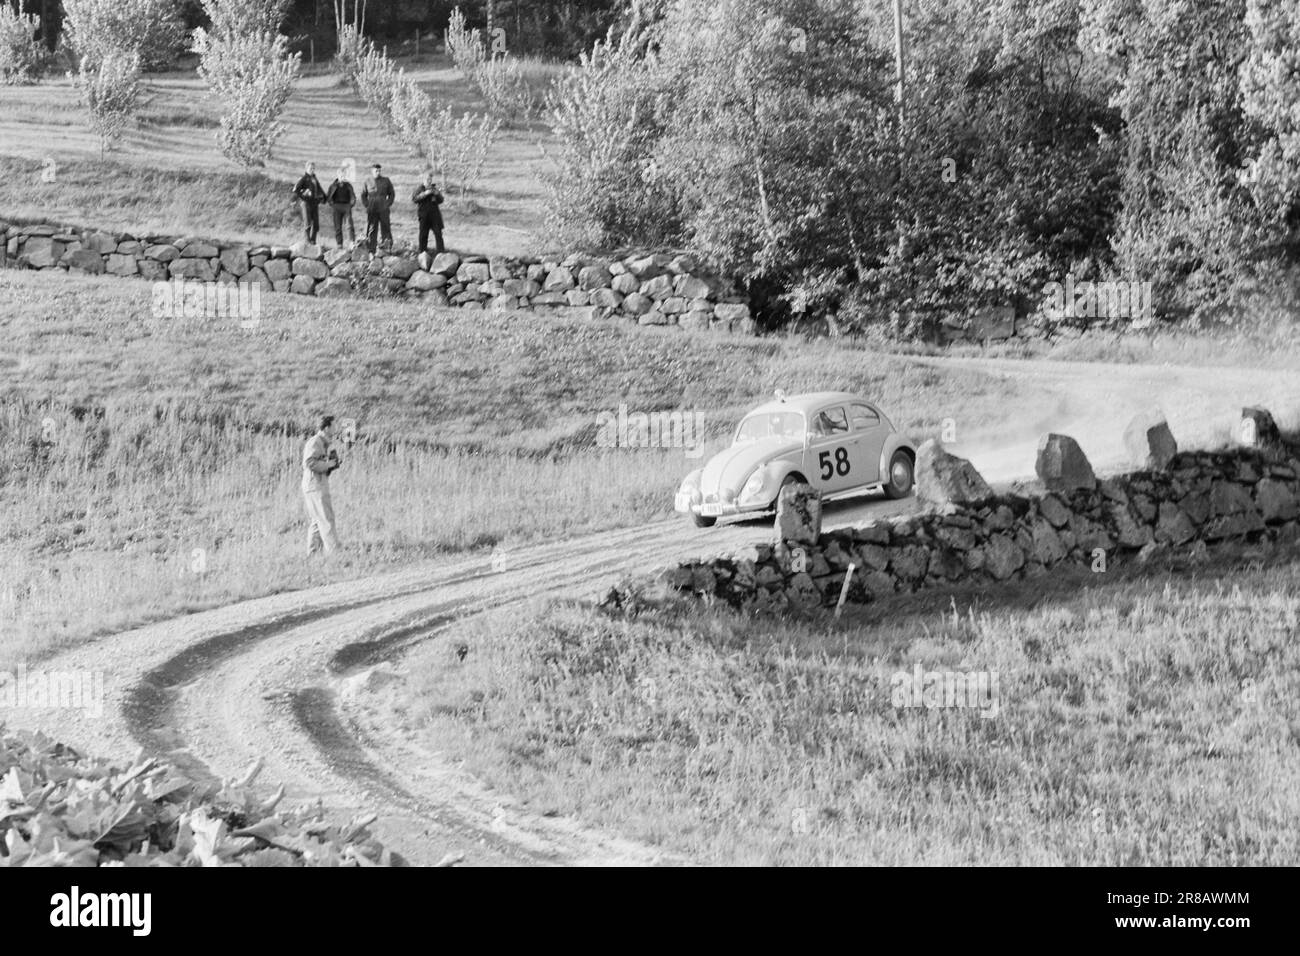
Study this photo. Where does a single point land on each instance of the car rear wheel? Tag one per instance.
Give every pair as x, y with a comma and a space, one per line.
702, 521
901, 473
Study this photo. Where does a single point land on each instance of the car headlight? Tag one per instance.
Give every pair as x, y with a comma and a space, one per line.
754, 485
691, 486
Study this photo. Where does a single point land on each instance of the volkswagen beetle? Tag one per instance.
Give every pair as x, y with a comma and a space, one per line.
839, 443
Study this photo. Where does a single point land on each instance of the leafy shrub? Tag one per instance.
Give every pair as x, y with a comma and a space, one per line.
20, 54
410, 111
111, 91
458, 148
351, 47
375, 80
67, 809
247, 67
503, 84
150, 29
464, 46
605, 189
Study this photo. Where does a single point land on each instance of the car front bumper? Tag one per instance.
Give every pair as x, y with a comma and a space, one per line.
716, 509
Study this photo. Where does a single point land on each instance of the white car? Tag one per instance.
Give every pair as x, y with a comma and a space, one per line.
837, 442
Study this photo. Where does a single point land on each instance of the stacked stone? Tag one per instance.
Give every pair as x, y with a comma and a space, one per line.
649, 288
1250, 494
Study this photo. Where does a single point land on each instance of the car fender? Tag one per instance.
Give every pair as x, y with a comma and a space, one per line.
893, 443
777, 472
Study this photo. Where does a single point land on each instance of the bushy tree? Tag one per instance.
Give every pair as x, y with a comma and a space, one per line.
110, 89
148, 29
246, 64
604, 190
20, 54
1185, 222
1271, 97
778, 138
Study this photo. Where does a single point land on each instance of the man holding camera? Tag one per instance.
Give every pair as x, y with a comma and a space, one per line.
427, 199
319, 461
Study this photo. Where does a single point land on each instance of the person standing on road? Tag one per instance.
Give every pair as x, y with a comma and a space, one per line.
427, 199
377, 196
342, 197
319, 461
310, 195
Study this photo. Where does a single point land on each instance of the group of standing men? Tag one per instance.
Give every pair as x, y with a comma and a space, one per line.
377, 196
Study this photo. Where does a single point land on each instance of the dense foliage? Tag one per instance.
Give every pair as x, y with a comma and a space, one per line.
59, 807
1102, 140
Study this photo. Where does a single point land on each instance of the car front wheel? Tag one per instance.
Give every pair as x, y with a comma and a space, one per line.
702, 521
899, 484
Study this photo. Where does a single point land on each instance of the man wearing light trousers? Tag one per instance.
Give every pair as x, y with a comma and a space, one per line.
318, 462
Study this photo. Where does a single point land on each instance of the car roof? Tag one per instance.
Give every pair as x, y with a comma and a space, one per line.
808, 402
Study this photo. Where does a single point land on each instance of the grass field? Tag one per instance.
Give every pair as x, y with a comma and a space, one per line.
1139, 721
170, 437
168, 176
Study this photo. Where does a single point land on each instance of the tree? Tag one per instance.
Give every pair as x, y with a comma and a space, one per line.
110, 89
1270, 94
245, 61
20, 54
148, 29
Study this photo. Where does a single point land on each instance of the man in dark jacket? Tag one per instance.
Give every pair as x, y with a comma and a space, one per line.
342, 197
377, 195
427, 199
310, 195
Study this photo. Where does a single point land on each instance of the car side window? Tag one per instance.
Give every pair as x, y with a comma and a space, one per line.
831, 421
863, 417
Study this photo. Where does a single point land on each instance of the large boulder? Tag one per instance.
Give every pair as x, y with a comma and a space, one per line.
626, 283
799, 514
400, 267
426, 281
277, 270
162, 252
310, 267
193, 269
99, 242
1148, 440
560, 280
120, 265
445, 263
943, 478
85, 260
591, 278
41, 252
1276, 501
197, 249
1257, 427
235, 261
1062, 465
334, 287
637, 304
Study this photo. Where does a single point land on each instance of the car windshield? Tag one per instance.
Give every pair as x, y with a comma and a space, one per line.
771, 425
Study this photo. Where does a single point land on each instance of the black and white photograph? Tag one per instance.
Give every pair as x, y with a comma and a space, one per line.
857, 434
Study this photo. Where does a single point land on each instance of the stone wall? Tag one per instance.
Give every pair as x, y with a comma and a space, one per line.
648, 289
1197, 499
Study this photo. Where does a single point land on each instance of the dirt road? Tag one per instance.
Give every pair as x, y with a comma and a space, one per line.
286, 678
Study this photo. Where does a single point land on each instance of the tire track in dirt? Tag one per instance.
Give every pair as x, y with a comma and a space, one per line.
266, 678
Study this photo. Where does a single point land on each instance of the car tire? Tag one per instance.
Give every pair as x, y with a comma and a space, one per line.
901, 475
701, 521
789, 480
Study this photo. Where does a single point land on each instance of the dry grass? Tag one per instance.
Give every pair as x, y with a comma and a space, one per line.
1141, 722
475, 429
